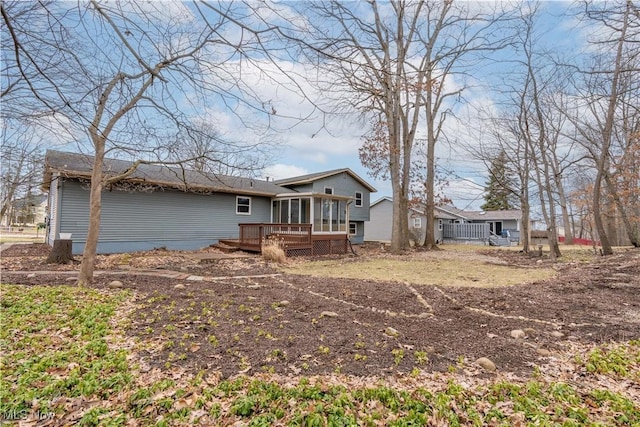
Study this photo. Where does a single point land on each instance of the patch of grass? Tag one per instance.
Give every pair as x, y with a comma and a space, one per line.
445, 272
21, 239
622, 361
54, 345
55, 356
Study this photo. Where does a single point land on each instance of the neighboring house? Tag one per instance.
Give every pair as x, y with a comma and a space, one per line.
158, 206
380, 225
451, 224
27, 211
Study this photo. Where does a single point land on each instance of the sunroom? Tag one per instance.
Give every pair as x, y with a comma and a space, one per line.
302, 224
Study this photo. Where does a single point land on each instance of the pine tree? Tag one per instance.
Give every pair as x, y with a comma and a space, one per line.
500, 189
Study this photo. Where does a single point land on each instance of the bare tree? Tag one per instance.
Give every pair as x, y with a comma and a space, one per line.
607, 102
457, 38
21, 158
366, 53
392, 62
133, 77
503, 134
535, 128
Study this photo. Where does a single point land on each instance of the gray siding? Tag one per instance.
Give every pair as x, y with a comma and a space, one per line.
358, 238
53, 200
378, 228
143, 221
507, 224
343, 185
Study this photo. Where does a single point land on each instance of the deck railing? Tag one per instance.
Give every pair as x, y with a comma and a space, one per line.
467, 231
253, 236
295, 239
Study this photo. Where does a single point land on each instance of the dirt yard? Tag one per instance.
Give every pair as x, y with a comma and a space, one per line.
246, 315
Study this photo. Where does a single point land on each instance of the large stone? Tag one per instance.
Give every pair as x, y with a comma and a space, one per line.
391, 331
115, 284
543, 352
179, 286
328, 314
486, 364
557, 334
518, 334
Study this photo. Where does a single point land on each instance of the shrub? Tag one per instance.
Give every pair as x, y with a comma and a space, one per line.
271, 251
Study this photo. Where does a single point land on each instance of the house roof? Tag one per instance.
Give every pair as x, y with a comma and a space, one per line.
75, 165
33, 200
312, 177
440, 213
382, 199
451, 212
493, 215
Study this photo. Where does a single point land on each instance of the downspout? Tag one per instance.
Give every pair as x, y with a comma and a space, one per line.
347, 226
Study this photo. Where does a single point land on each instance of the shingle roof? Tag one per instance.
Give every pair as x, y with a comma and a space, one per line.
77, 165
382, 199
493, 215
309, 178
451, 212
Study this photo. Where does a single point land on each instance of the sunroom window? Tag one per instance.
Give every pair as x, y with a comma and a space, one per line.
329, 215
292, 211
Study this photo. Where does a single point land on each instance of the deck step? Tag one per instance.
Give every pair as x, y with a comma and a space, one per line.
225, 247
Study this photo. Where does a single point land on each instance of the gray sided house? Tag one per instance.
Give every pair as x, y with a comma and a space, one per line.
158, 206
380, 225
451, 225
500, 227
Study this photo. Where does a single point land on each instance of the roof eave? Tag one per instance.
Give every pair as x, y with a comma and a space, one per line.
181, 187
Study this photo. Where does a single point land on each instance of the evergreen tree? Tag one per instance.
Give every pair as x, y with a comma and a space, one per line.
500, 189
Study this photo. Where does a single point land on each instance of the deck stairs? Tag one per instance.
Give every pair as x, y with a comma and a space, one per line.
227, 246
495, 240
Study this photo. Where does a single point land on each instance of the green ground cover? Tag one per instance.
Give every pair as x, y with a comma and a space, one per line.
64, 357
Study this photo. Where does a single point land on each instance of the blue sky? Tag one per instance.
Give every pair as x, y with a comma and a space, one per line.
307, 150
310, 144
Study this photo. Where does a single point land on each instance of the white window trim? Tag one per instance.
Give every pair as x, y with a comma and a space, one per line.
355, 224
330, 190
440, 224
417, 222
359, 199
238, 205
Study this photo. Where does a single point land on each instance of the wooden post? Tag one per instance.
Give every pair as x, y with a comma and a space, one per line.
60, 252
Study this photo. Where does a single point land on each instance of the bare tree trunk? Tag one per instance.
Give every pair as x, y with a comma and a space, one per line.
632, 233
603, 159
87, 265
430, 238
526, 221
562, 199
546, 203
61, 252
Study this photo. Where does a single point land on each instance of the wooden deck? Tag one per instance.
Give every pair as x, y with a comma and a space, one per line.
294, 239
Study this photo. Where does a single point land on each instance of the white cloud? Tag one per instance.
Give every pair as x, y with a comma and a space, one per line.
465, 193
160, 10
281, 171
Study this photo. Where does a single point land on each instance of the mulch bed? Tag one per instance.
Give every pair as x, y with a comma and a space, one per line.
294, 324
